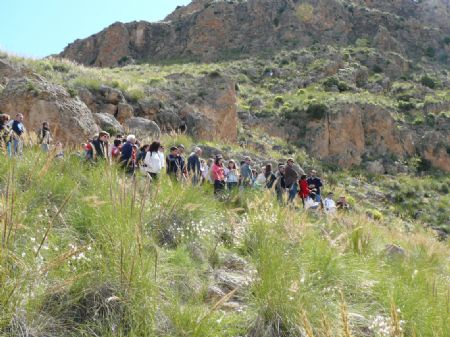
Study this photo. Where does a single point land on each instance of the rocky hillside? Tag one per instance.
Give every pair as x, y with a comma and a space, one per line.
208, 30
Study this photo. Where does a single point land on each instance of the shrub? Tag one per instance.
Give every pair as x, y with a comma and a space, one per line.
305, 12
447, 40
406, 106
377, 69
428, 82
430, 52
317, 110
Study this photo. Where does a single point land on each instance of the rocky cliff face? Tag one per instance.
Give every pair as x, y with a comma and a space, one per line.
208, 30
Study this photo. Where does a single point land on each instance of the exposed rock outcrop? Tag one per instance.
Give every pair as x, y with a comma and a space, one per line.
39, 101
211, 29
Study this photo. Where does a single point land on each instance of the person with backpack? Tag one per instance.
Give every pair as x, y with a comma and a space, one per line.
152, 161
218, 175
44, 137
231, 175
98, 147
18, 130
193, 166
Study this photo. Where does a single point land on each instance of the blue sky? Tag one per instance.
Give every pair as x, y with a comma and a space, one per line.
38, 28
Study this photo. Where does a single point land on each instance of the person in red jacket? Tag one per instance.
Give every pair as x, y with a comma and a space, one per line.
304, 189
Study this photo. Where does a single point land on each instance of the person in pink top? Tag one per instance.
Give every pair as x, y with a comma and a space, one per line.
218, 175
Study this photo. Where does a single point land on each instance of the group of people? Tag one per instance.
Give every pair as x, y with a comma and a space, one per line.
287, 181
12, 132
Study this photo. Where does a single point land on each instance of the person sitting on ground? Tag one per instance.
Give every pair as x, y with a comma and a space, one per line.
18, 130
152, 161
342, 204
310, 202
329, 205
129, 154
218, 175
172, 163
193, 166
247, 173
315, 183
304, 189
44, 137
291, 178
280, 183
270, 176
231, 175
59, 152
98, 148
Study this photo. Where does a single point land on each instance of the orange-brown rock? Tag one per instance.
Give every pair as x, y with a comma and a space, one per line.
39, 101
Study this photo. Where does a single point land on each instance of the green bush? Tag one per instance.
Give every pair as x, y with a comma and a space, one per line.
317, 110
430, 52
428, 82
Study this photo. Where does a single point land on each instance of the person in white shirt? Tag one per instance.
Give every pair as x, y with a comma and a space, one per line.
154, 161
329, 205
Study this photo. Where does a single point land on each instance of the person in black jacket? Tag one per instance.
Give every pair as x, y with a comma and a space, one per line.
173, 168
193, 166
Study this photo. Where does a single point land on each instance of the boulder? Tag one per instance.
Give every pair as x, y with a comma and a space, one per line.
108, 109
169, 121
70, 119
111, 95
88, 98
150, 106
143, 128
108, 123
124, 112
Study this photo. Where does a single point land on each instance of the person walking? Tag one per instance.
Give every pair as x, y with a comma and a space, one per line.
280, 184
129, 155
152, 162
44, 137
270, 176
304, 189
218, 175
98, 148
231, 175
247, 173
18, 130
173, 164
194, 167
291, 178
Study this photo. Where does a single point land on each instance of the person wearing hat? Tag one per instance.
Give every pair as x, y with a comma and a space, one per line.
315, 183
246, 172
218, 175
